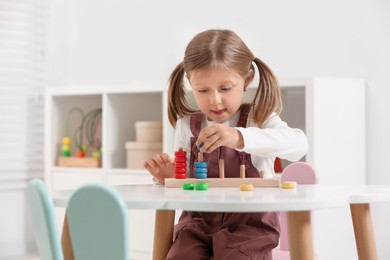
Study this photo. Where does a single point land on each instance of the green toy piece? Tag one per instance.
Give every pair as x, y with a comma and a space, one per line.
202, 186
188, 186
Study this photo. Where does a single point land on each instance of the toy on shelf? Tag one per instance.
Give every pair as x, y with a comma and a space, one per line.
66, 146
90, 128
190, 183
66, 141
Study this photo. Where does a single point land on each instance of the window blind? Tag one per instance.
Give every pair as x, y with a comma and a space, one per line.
22, 77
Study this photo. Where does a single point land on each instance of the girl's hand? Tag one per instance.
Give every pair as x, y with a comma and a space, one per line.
161, 167
212, 137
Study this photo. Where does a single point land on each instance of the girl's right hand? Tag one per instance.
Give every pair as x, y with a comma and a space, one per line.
160, 166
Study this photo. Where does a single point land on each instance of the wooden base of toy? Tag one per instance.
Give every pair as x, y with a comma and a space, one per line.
224, 182
88, 162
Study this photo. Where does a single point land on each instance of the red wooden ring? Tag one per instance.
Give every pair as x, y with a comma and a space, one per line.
180, 159
180, 164
180, 153
180, 170
180, 176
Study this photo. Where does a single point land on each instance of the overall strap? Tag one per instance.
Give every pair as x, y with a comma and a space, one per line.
196, 123
244, 113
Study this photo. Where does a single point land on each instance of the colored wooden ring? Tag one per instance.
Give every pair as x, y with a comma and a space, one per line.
180, 153
188, 186
200, 175
289, 185
200, 164
180, 170
202, 186
201, 170
180, 164
180, 159
180, 176
246, 187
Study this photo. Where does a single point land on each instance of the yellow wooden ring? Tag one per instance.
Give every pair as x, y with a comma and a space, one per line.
246, 187
289, 185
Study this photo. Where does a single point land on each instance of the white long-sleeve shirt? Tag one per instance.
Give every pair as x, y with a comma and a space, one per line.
274, 139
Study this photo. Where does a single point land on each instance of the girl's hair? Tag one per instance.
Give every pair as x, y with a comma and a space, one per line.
224, 49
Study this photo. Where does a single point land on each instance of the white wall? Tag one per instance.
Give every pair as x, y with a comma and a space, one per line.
119, 41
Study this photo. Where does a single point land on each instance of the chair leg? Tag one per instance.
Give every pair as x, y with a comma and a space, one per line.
65, 241
163, 233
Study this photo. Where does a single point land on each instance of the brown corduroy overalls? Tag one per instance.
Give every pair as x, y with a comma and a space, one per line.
220, 236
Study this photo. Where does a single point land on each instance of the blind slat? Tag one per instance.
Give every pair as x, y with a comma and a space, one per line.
22, 75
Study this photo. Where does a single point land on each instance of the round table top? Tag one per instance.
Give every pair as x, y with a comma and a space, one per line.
303, 197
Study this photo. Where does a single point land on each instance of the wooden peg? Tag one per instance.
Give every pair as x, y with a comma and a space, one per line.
242, 171
200, 157
261, 174
221, 168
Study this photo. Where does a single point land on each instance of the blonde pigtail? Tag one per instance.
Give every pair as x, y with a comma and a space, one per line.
268, 98
177, 104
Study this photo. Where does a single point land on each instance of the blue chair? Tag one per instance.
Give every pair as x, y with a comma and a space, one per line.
98, 223
44, 221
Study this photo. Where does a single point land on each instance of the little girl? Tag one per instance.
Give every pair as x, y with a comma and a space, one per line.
219, 67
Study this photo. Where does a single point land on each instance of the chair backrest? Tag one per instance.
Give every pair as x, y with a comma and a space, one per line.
98, 223
301, 173
44, 221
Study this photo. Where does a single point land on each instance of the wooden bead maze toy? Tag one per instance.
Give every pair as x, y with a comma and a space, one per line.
90, 129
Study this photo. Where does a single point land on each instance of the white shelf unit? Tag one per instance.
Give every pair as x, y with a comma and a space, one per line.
330, 110
121, 108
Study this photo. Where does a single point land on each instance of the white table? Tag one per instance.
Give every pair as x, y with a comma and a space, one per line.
298, 203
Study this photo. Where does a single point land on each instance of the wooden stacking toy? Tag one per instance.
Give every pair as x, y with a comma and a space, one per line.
180, 178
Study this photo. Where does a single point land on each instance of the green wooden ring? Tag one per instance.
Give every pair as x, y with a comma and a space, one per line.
188, 186
202, 186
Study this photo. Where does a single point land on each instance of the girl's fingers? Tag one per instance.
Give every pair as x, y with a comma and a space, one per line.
157, 162
211, 143
162, 160
212, 137
166, 159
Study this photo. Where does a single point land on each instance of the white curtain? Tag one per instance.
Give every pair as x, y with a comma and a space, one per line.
22, 77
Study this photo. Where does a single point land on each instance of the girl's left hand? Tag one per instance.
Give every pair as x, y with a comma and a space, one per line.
212, 137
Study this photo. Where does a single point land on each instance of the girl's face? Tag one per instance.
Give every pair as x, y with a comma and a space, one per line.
218, 92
